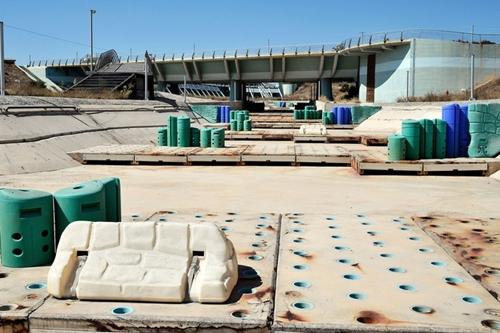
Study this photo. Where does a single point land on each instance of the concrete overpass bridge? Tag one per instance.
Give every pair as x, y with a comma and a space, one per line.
354, 59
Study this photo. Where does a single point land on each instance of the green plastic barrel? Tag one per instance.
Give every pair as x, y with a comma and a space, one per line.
439, 138
396, 147
240, 118
325, 117
183, 131
195, 137
247, 125
112, 192
217, 138
205, 137
247, 114
26, 228
172, 131
410, 129
162, 136
234, 125
296, 114
232, 115
426, 138
310, 107
82, 202
307, 114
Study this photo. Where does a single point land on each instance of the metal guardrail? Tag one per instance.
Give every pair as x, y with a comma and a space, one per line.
361, 40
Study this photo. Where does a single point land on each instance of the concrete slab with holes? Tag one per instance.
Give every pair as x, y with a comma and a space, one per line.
357, 273
249, 308
22, 290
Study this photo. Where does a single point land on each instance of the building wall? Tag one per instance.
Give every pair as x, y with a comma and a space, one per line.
433, 66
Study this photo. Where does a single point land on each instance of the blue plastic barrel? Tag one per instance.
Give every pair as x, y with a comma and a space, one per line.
219, 114
340, 115
451, 115
227, 114
333, 117
348, 115
463, 131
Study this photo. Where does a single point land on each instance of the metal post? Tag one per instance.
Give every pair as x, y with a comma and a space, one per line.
471, 64
92, 12
184, 90
146, 77
407, 85
2, 69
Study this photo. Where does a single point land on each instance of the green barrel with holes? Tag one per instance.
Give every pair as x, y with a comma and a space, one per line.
325, 118
183, 131
172, 131
162, 136
396, 147
240, 118
410, 129
205, 137
439, 138
247, 125
232, 115
233, 126
81, 202
218, 138
296, 114
195, 137
26, 228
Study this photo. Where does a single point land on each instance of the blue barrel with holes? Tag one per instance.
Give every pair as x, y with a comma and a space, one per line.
26, 228
451, 115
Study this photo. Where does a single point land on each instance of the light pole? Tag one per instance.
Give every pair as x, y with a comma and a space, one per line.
92, 12
2, 71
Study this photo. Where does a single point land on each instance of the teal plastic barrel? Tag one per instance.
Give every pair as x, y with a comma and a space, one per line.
247, 114
172, 131
232, 115
205, 137
26, 228
233, 125
217, 138
410, 129
162, 136
112, 193
240, 118
426, 138
440, 127
396, 147
325, 117
247, 125
310, 107
195, 137
82, 202
183, 131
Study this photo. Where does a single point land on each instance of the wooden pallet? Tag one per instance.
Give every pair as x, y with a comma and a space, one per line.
217, 155
309, 138
270, 154
322, 154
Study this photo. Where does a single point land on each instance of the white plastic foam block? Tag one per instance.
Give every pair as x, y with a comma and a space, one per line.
144, 261
313, 129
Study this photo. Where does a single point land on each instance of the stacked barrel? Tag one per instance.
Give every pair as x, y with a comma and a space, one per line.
240, 120
223, 114
179, 133
457, 137
309, 113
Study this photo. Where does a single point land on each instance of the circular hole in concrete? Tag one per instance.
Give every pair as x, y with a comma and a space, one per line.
491, 323
36, 285
17, 252
198, 216
257, 245
232, 213
162, 219
407, 287
492, 272
414, 238
263, 217
135, 216
336, 236
122, 310
360, 215
3, 275
404, 228
345, 261
45, 233
303, 305
298, 230
365, 223
298, 240
8, 307
396, 220
332, 226
17, 236
259, 234
351, 277
366, 320
261, 225
225, 228
228, 220
341, 248
239, 314
300, 253
425, 250
358, 296
171, 212
378, 243
298, 222
302, 284
471, 299
297, 214
453, 280
397, 270
423, 309
372, 233
438, 263
386, 255
255, 257
300, 267
330, 218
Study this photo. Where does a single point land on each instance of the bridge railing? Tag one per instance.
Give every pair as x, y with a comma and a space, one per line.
361, 40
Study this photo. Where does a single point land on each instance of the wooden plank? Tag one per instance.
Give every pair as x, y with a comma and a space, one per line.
242, 135
254, 237
270, 153
17, 300
309, 138
374, 140
323, 154
376, 160
165, 154
213, 155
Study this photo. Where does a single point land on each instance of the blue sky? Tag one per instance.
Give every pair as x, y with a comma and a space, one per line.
175, 26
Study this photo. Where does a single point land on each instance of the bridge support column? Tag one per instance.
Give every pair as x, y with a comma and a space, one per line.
325, 89
237, 91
